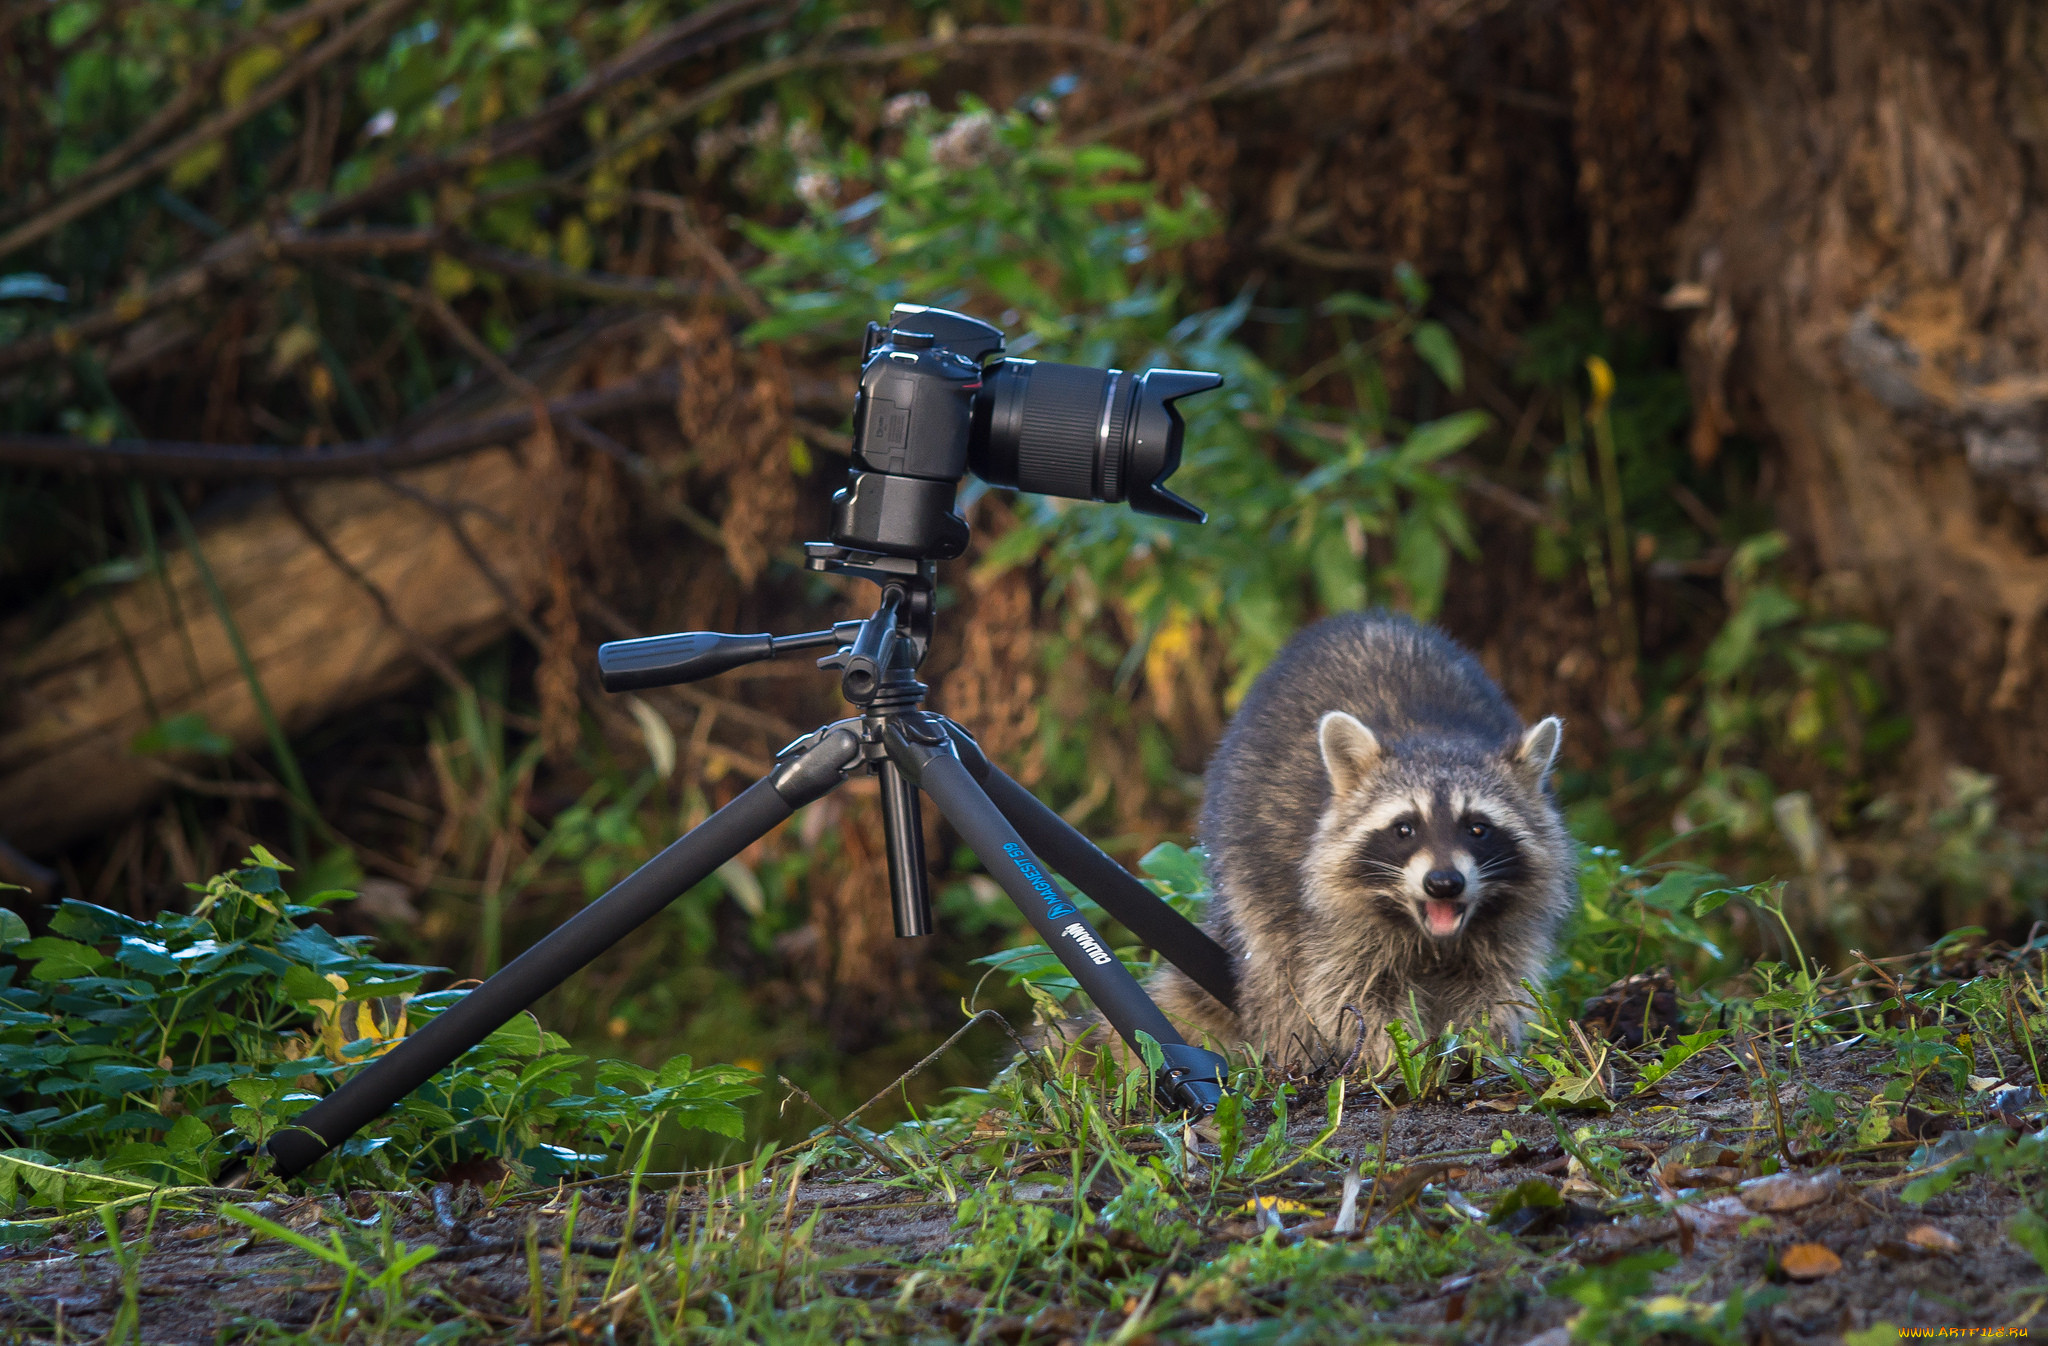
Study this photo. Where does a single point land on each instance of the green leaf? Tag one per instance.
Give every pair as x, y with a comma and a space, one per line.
187, 733
61, 959
2030, 1232
1439, 351
1440, 438
1351, 304
1413, 287
13, 930
188, 1135
303, 985
1709, 902
521, 1036
1529, 1194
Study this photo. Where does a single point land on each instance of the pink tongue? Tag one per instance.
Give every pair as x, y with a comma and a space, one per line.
1443, 917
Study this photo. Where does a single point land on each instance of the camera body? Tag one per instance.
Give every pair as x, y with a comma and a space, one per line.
937, 401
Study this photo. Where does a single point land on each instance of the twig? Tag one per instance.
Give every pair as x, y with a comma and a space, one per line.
232, 258
208, 131
888, 53
893, 1165
679, 41
1266, 70
451, 322
600, 285
198, 83
678, 211
164, 458
937, 1052
199, 785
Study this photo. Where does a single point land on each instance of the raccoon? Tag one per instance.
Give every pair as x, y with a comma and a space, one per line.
1381, 834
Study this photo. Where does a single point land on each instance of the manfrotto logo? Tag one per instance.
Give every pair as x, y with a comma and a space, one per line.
1089, 945
1055, 905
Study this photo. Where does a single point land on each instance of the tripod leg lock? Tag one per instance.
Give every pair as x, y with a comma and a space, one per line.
914, 741
1190, 1078
809, 768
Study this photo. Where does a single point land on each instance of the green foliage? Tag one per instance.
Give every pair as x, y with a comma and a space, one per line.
1615, 1306
1781, 681
139, 1053
1633, 917
1992, 1151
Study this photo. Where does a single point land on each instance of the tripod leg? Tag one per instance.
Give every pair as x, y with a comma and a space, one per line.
1192, 1078
805, 772
1186, 945
903, 835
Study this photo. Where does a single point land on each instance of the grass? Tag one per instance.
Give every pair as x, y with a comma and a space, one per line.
1470, 1189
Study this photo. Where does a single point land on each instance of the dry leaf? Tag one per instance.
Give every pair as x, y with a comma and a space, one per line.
1692, 1095
1716, 1217
1933, 1239
1508, 1104
1782, 1192
1809, 1262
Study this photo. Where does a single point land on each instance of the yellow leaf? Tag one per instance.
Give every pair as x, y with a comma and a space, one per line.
1809, 1262
292, 346
197, 166
1279, 1205
1173, 645
576, 246
450, 278
247, 71
1602, 377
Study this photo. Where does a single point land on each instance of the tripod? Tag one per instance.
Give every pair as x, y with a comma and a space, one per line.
909, 750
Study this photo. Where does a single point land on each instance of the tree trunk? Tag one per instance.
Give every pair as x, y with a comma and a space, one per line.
1867, 229
315, 633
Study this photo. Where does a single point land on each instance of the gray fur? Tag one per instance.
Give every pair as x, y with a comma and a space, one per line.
1311, 893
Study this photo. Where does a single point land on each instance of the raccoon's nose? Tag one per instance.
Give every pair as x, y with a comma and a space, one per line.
1443, 884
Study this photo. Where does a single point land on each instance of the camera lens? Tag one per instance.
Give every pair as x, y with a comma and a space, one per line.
1084, 433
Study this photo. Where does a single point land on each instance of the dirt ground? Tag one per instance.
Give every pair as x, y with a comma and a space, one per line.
203, 1280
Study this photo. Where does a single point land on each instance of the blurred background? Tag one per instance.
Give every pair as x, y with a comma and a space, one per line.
364, 363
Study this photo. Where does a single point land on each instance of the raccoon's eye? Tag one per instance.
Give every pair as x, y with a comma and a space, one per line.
1478, 830
1404, 830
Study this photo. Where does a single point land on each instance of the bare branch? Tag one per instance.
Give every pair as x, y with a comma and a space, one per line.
208, 131
155, 458
198, 84
233, 258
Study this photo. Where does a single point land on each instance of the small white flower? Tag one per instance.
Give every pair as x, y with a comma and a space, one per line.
904, 106
817, 187
965, 142
804, 141
383, 124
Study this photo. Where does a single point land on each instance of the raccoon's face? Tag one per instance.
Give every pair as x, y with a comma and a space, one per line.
1443, 835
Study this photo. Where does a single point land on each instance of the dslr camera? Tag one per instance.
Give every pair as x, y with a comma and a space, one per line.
938, 399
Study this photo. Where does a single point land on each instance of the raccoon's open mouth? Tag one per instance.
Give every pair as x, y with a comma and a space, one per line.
1444, 918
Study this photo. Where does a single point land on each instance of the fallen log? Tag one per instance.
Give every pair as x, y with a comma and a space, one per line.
438, 558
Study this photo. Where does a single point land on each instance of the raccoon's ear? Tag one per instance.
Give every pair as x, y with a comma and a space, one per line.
1350, 750
1538, 752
